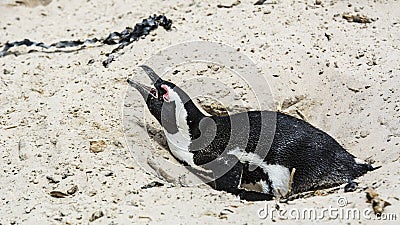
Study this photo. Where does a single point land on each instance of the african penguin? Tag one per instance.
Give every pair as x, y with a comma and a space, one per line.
259, 148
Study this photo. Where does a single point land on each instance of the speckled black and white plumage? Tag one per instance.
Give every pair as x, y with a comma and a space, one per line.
232, 145
320, 161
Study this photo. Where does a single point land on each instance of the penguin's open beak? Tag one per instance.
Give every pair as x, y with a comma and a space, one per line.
150, 72
144, 90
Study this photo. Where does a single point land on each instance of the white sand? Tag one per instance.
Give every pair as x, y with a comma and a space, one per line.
54, 104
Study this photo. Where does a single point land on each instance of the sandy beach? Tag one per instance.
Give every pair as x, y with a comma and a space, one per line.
68, 141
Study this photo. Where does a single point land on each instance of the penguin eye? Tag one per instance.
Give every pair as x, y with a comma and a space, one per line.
154, 93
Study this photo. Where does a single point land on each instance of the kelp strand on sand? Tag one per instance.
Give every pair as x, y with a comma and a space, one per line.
123, 38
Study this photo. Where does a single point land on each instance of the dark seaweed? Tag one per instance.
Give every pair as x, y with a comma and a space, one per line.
123, 38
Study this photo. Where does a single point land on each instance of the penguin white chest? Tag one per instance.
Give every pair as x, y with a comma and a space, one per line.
179, 142
179, 147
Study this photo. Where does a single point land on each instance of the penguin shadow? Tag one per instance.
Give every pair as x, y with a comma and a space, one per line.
157, 135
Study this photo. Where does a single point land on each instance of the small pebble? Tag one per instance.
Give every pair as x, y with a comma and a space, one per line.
73, 190
52, 180
364, 133
107, 173
351, 186
96, 215
97, 146
226, 212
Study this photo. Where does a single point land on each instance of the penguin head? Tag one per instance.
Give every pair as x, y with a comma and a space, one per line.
161, 99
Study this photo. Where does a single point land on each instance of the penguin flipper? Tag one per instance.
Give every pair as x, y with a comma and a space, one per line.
230, 181
254, 196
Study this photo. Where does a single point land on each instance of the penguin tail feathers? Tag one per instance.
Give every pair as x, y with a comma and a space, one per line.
367, 167
372, 167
